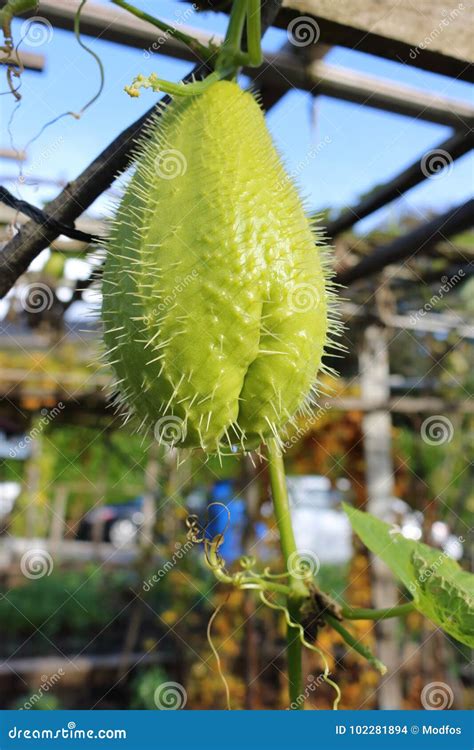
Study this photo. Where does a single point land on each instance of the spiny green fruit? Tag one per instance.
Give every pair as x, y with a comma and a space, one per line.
214, 292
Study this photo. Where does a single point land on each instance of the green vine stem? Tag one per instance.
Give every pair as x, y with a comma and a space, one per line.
235, 28
400, 610
205, 52
254, 34
352, 641
77, 34
298, 591
226, 60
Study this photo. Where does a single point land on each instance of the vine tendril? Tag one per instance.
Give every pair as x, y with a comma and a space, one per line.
297, 626
215, 652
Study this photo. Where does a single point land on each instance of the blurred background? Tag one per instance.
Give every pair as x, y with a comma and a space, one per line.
103, 598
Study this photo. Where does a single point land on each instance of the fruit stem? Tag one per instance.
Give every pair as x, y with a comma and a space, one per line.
200, 49
351, 613
298, 591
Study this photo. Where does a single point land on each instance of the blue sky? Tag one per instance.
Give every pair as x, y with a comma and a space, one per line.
365, 146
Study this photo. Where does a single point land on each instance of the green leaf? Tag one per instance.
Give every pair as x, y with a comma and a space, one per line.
446, 597
441, 590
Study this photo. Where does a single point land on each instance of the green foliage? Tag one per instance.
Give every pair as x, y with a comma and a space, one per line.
72, 601
441, 590
446, 596
333, 579
144, 686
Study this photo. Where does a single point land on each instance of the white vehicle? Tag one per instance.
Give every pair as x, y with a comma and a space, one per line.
322, 530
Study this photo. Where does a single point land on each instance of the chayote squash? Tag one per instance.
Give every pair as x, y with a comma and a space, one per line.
215, 293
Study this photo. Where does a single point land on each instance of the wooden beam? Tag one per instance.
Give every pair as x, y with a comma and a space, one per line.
428, 34
416, 320
419, 240
455, 146
322, 79
77, 665
85, 224
403, 405
11, 383
26, 60
281, 71
10, 153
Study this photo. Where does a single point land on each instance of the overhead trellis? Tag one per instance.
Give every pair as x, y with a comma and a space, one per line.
447, 53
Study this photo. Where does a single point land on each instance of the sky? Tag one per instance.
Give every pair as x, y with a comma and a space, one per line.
356, 147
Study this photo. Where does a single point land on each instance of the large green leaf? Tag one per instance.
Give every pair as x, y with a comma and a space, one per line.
441, 590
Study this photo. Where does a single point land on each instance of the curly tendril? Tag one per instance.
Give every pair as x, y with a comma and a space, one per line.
293, 624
